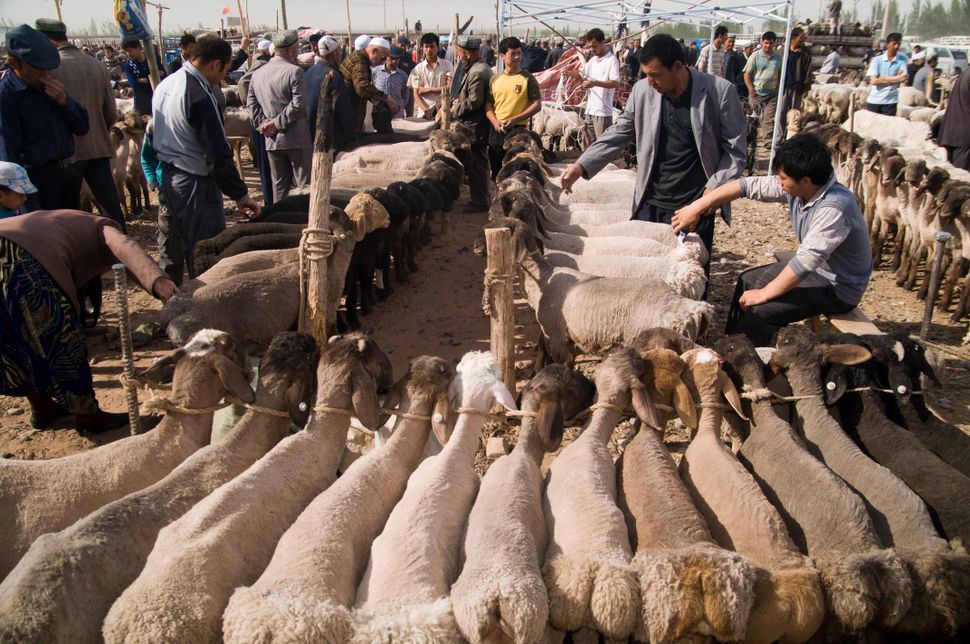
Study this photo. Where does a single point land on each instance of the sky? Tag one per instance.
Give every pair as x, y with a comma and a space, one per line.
366, 15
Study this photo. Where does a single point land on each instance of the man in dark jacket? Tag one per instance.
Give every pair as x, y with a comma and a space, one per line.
469, 108
197, 163
328, 57
798, 75
186, 49
555, 54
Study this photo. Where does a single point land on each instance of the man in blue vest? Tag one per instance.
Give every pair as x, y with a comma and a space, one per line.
829, 272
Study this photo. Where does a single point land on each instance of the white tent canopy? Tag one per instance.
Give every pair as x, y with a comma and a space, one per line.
610, 12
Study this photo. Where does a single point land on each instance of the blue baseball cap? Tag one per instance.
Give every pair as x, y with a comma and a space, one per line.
32, 47
15, 178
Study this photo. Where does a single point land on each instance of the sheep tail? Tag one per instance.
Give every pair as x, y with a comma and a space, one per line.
516, 605
864, 587
941, 586
430, 623
569, 583
615, 601
699, 589
266, 616
791, 598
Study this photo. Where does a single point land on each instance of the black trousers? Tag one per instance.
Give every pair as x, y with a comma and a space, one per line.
496, 151
704, 230
97, 172
888, 110
812, 297
959, 156
57, 188
262, 164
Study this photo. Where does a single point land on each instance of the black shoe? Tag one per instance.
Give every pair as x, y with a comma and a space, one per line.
100, 421
43, 420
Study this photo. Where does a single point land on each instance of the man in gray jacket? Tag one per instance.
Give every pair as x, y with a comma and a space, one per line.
689, 130
277, 103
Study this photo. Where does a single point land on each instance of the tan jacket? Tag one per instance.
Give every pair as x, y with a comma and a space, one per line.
87, 81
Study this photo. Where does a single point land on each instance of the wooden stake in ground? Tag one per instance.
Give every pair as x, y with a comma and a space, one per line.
283, 11
127, 349
57, 6
498, 300
316, 244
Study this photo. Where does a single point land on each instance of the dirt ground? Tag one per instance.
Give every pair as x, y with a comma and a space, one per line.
439, 312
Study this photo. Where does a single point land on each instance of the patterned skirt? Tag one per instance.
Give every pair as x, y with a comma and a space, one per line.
42, 346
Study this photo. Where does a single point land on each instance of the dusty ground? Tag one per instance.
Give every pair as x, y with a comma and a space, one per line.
438, 312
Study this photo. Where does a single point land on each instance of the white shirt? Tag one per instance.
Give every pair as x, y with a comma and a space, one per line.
424, 75
599, 101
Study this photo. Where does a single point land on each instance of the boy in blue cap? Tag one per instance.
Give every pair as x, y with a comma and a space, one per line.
15, 185
38, 121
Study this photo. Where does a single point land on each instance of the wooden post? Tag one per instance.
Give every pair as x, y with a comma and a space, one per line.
499, 299
283, 11
127, 350
350, 31
243, 22
316, 244
57, 6
851, 113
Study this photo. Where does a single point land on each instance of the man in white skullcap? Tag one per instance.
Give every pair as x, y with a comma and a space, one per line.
361, 41
356, 69
328, 62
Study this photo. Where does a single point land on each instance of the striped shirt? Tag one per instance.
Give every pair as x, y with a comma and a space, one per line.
711, 62
765, 72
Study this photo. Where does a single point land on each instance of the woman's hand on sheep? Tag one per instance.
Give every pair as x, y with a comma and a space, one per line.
164, 289
572, 173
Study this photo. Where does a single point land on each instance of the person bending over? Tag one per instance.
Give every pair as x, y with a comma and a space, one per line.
831, 268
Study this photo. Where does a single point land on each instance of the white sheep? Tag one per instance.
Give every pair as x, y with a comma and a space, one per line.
65, 585
228, 538
680, 269
308, 588
403, 596
587, 571
500, 591
37, 497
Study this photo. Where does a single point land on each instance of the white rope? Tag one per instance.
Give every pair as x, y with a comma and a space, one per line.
315, 244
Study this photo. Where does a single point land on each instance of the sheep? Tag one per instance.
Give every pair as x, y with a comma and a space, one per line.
907, 196
605, 188
688, 584
583, 313
951, 200
394, 242
788, 603
444, 193
862, 582
403, 595
886, 204
898, 514
418, 206
256, 260
37, 497
679, 270
214, 246
448, 175
394, 157
943, 488
368, 179
247, 244
271, 297
309, 586
922, 225
500, 590
587, 571
870, 156
64, 586
227, 539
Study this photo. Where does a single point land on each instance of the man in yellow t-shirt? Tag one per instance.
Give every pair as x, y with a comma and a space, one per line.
513, 98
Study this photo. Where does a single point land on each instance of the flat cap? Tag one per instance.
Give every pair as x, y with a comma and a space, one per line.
50, 26
32, 47
469, 42
283, 39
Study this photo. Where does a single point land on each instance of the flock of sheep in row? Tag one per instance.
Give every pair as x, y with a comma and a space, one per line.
908, 192
832, 524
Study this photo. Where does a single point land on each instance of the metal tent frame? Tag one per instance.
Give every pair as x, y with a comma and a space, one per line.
601, 12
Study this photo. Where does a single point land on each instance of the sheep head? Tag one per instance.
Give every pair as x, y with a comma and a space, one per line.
619, 382
891, 169
664, 377
741, 360
710, 381
801, 356
288, 371
359, 371
914, 172
208, 352
426, 384
933, 181
478, 383
951, 198
367, 214
555, 394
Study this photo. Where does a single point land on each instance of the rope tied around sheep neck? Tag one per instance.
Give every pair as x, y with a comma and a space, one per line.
157, 404
315, 244
764, 394
326, 409
409, 416
493, 278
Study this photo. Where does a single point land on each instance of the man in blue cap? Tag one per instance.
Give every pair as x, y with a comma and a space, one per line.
38, 120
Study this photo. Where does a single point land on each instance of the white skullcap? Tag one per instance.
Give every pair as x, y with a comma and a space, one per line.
327, 45
920, 55
362, 41
379, 42
264, 45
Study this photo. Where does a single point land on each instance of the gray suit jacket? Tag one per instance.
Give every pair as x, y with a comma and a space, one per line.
277, 93
719, 128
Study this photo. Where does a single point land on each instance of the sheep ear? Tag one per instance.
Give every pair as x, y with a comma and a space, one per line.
836, 382
731, 394
163, 370
440, 424
849, 354
233, 377
644, 408
367, 408
394, 398
549, 424
684, 404
503, 396
298, 401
